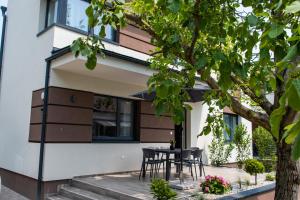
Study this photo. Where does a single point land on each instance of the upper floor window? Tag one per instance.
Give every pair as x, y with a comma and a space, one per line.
113, 118
71, 13
230, 122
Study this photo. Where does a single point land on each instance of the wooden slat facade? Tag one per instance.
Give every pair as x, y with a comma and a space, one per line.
70, 119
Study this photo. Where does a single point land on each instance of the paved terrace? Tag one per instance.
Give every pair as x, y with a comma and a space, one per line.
130, 185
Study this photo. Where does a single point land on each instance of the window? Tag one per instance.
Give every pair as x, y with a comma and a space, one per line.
71, 13
113, 118
230, 122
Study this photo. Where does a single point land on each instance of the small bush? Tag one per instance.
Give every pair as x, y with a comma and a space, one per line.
264, 142
215, 185
270, 177
253, 166
242, 141
161, 190
270, 164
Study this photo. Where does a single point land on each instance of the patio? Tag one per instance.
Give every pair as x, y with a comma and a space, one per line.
128, 185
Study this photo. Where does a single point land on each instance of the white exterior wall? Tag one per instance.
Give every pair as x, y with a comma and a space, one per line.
23, 71
196, 120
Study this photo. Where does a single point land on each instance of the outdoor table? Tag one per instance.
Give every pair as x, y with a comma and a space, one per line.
167, 152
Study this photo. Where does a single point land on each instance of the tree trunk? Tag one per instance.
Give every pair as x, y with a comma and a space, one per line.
287, 174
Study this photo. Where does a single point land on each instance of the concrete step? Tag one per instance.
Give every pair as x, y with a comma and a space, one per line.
58, 197
75, 193
103, 190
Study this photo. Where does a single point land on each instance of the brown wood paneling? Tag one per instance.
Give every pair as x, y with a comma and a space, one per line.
37, 98
27, 186
156, 135
36, 115
69, 115
148, 108
62, 133
63, 114
152, 121
136, 33
62, 96
68, 97
132, 43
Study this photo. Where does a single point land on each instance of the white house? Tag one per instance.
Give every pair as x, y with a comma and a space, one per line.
93, 124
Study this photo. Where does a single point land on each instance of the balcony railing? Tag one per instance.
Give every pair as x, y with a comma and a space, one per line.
71, 14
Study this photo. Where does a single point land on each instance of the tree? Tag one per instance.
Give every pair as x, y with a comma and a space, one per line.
242, 141
255, 52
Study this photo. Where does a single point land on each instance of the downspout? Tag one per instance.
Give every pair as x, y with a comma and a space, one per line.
43, 131
3, 9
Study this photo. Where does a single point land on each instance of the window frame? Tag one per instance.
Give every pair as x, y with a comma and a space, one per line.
133, 138
225, 132
62, 17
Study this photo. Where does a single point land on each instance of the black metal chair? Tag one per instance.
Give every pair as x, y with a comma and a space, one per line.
197, 160
186, 157
150, 158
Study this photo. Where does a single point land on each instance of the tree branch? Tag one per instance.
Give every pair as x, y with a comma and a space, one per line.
261, 100
237, 107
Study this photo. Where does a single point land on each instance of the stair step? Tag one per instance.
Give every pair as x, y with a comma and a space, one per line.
58, 197
81, 194
103, 190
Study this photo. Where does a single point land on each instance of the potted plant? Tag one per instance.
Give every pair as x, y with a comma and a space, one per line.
172, 144
254, 167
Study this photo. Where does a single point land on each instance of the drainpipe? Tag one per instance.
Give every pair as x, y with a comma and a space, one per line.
3, 9
43, 131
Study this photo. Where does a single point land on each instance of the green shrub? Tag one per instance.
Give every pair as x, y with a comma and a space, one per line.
254, 167
242, 141
219, 149
270, 164
270, 177
264, 142
161, 190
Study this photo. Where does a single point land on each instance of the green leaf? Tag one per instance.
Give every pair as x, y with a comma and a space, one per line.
247, 3
273, 83
174, 5
275, 31
276, 117
91, 62
162, 91
201, 62
296, 148
293, 95
292, 52
293, 7
294, 38
291, 133
252, 20
159, 108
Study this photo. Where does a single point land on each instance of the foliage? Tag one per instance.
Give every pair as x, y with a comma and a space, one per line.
269, 164
219, 149
161, 190
270, 177
264, 142
215, 185
255, 52
253, 166
242, 141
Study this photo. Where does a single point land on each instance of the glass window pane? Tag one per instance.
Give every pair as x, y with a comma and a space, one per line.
105, 117
76, 16
230, 122
126, 118
110, 32
52, 13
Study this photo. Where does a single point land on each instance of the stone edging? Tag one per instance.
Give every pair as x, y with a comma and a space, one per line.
249, 193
